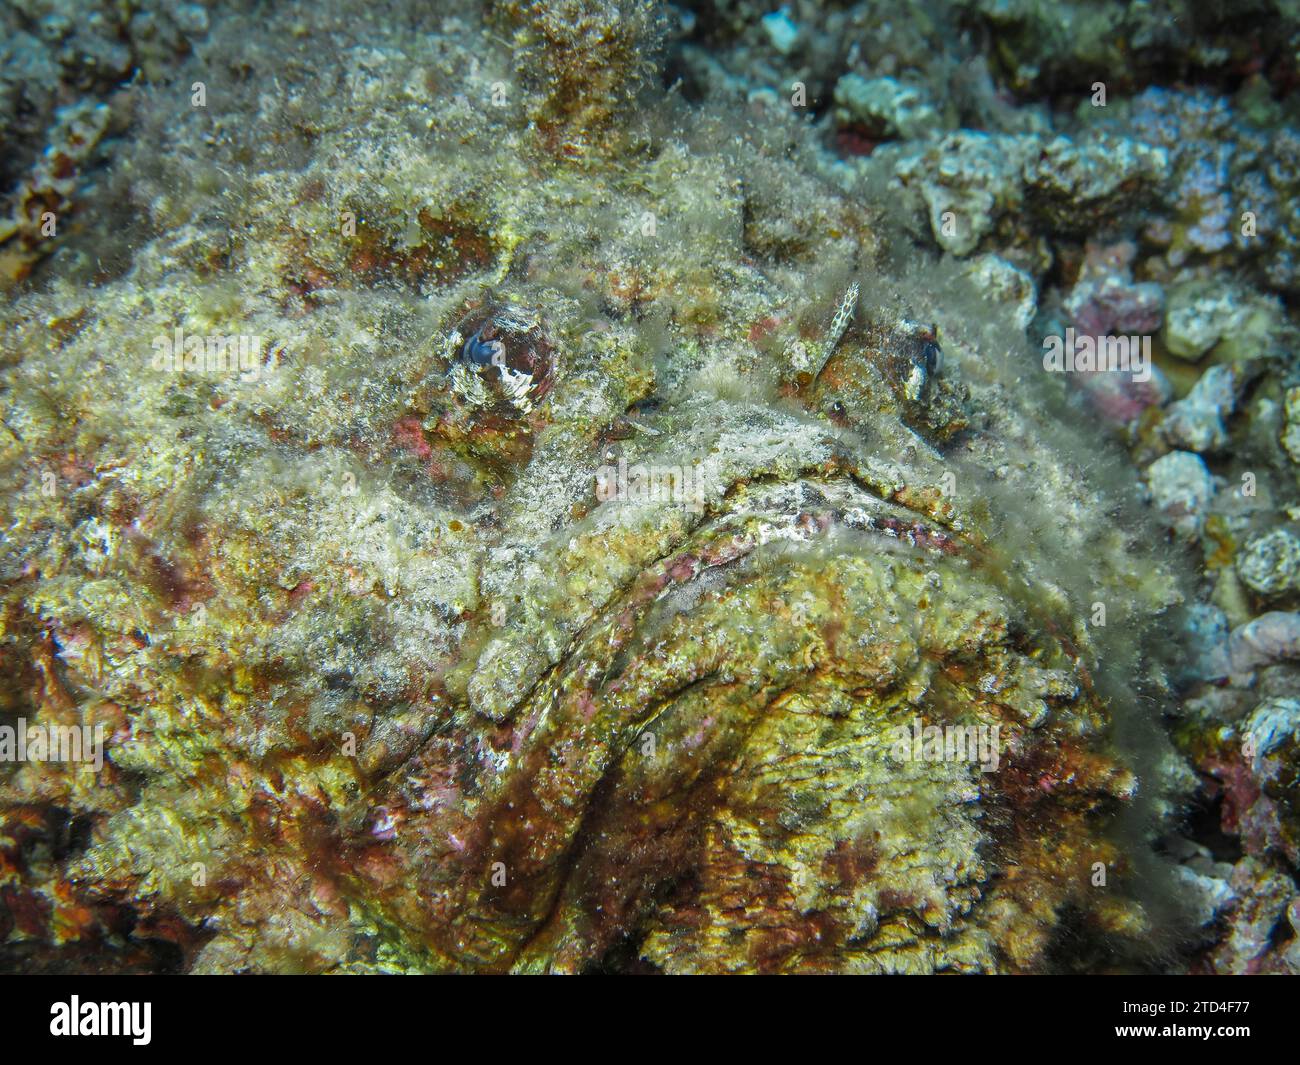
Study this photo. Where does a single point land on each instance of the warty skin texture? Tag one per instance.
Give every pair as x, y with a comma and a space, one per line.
390, 689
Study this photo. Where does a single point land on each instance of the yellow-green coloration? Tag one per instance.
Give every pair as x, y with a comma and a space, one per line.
358, 644
582, 63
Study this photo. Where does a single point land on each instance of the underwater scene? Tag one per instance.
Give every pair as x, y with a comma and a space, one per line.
628, 487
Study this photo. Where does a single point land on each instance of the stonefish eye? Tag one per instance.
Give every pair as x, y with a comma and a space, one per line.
933, 356
504, 357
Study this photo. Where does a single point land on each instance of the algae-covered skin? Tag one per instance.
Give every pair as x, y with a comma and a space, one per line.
406, 663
